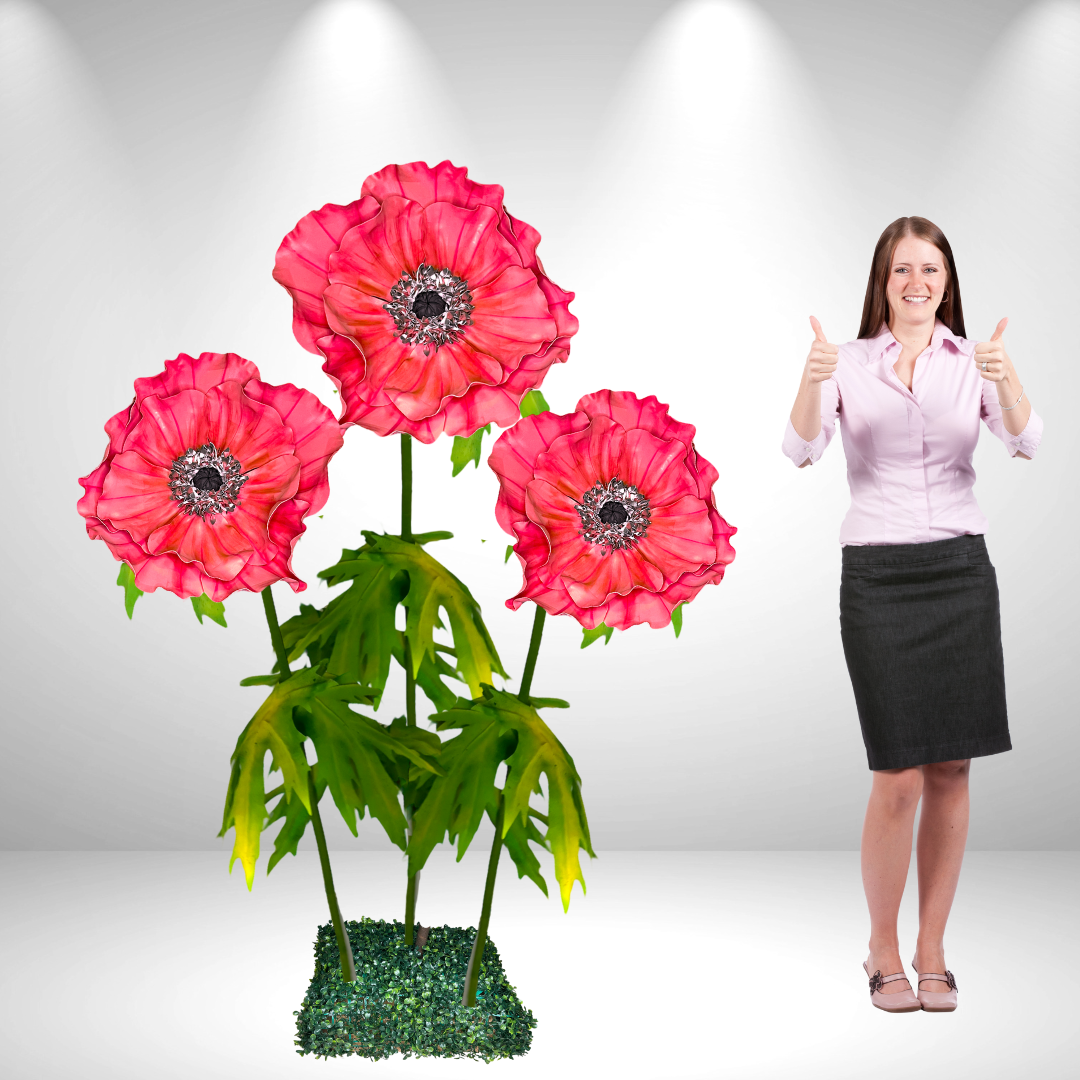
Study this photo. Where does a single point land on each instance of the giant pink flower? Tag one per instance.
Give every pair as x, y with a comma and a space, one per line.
612, 510
427, 300
208, 476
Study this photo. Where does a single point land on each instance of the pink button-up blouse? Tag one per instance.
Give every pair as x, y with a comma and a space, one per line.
909, 451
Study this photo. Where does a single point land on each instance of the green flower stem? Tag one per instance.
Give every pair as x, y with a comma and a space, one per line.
348, 967
406, 486
472, 976
275, 632
412, 887
534, 651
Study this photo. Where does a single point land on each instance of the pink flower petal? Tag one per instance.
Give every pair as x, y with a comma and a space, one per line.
302, 263
468, 243
196, 373
374, 254
425, 185
513, 456
253, 433
169, 426
579, 460
135, 496
418, 388
316, 435
511, 317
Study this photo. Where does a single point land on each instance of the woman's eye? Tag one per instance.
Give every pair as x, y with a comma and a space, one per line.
900, 270
930, 269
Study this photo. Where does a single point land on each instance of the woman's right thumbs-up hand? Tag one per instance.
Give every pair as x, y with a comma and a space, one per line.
821, 362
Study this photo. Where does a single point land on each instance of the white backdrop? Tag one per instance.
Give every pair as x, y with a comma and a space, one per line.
706, 174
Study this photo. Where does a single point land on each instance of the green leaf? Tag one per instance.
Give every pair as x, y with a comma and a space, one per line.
548, 703
355, 633
601, 631
468, 449
261, 680
431, 537
499, 727
532, 403
270, 729
132, 592
454, 804
517, 840
212, 609
538, 752
296, 819
509, 552
355, 756
676, 618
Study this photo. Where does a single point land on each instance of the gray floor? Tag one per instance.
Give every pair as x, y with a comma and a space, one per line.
677, 964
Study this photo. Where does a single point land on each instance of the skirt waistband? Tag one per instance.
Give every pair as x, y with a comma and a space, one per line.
897, 554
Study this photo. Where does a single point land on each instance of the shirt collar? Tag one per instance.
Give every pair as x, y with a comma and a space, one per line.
877, 347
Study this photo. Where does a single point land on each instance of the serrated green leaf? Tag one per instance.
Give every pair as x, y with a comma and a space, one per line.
270, 729
356, 755
260, 680
676, 618
467, 449
532, 403
601, 631
471, 765
212, 609
538, 752
431, 674
433, 588
132, 592
517, 840
355, 632
454, 804
509, 552
296, 819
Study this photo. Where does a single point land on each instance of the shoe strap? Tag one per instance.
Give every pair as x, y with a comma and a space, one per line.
877, 981
933, 976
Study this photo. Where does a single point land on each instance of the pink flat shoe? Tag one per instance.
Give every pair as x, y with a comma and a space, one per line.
934, 1002
901, 1001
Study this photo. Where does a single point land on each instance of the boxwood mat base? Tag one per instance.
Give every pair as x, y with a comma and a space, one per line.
405, 1002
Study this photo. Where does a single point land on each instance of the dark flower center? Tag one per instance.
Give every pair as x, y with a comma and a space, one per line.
613, 513
430, 308
207, 479
428, 305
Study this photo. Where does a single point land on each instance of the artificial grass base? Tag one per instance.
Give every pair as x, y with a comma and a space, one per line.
405, 1002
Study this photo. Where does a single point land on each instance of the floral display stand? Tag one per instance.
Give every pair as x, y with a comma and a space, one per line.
434, 316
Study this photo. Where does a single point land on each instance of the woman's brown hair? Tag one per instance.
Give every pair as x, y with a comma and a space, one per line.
875, 312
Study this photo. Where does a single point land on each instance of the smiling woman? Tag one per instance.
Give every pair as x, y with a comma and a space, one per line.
919, 614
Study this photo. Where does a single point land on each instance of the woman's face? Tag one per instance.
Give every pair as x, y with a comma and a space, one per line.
917, 278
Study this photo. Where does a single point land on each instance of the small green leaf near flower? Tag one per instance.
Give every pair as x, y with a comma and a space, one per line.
601, 631
532, 403
212, 609
467, 449
132, 592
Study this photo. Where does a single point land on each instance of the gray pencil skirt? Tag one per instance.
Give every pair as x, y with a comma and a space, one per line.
922, 638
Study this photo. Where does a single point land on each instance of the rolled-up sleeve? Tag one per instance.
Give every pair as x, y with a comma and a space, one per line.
799, 449
1027, 441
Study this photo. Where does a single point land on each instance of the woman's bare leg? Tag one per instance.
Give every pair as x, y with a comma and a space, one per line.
886, 857
943, 830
